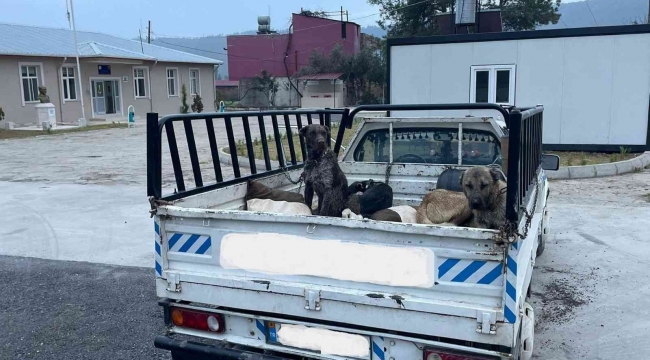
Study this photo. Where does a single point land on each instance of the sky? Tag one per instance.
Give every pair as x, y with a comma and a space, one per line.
189, 18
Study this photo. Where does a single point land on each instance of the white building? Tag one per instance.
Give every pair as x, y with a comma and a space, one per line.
594, 83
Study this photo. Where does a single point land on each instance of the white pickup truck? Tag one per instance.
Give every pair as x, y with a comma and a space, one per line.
236, 284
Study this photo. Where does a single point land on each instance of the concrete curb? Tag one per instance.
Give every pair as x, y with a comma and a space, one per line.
600, 170
226, 159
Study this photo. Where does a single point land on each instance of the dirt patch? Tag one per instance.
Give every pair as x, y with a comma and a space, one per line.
562, 297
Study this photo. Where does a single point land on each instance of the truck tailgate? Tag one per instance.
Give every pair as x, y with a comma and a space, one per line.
397, 277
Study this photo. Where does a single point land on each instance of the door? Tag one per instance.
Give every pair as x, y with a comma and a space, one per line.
110, 96
99, 102
116, 96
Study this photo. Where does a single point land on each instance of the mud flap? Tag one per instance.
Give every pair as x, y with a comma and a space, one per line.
527, 332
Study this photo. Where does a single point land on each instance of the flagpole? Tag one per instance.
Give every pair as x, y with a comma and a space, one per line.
76, 47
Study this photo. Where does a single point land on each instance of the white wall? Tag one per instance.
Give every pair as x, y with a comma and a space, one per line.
323, 95
595, 90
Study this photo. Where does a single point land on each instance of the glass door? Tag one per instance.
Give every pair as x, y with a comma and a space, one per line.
116, 96
110, 96
99, 102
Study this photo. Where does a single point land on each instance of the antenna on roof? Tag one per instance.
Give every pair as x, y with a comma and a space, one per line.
141, 46
67, 10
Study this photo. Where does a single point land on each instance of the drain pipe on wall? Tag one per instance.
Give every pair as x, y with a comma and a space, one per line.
214, 88
59, 81
150, 94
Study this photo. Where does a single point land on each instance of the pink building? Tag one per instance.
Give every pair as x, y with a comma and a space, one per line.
248, 55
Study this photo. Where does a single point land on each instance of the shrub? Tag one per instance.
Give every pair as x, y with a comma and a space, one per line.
197, 104
2, 114
184, 106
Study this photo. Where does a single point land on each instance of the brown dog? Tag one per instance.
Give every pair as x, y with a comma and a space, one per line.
443, 207
485, 191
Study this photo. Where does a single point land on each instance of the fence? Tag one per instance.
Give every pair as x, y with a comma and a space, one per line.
524, 145
155, 129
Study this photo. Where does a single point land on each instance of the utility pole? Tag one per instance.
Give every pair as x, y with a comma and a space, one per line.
76, 47
149, 33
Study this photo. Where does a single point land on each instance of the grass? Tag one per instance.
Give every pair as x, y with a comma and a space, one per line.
21, 134
570, 158
646, 197
273, 153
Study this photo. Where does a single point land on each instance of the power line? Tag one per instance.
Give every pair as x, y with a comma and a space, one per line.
592, 14
563, 23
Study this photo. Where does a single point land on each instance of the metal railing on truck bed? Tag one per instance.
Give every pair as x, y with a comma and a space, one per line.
155, 129
523, 146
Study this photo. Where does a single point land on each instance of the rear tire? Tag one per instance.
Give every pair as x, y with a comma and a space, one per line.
176, 356
541, 243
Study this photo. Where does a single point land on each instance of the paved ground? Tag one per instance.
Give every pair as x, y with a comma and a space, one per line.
82, 197
74, 310
591, 287
116, 156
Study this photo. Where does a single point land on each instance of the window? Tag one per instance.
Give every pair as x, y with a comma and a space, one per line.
493, 84
195, 82
420, 145
172, 84
141, 82
69, 84
30, 76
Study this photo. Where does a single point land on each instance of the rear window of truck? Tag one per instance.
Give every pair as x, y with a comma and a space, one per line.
429, 146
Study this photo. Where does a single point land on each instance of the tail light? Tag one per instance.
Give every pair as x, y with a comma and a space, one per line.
434, 354
198, 320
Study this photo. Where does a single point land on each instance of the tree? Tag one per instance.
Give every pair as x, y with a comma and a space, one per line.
267, 84
520, 15
638, 21
410, 17
184, 106
197, 104
418, 18
362, 73
315, 13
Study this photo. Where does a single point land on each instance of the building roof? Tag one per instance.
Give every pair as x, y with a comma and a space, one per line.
42, 41
226, 83
327, 76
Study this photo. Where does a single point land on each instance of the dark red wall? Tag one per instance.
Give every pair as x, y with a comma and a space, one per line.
248, 55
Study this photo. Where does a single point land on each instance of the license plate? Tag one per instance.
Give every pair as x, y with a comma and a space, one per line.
319, 340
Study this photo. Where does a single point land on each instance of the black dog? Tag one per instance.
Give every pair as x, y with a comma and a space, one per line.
376, 196
322, 172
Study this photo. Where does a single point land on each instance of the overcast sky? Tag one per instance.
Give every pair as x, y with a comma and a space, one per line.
170, 17
191, 18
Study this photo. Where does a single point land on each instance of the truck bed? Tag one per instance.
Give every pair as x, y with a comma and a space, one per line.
442, 281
